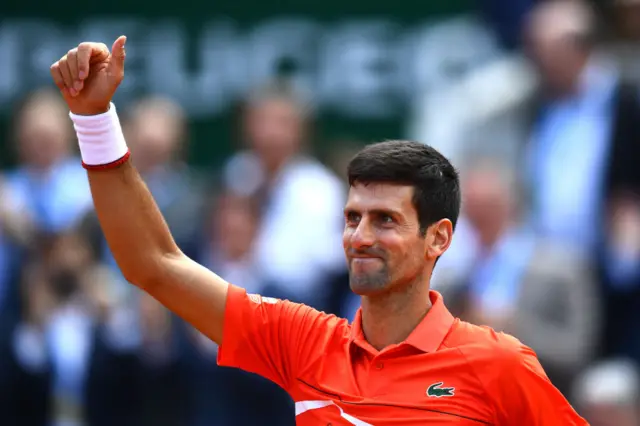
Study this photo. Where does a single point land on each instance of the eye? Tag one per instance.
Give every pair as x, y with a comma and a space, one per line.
352, 218
386, 219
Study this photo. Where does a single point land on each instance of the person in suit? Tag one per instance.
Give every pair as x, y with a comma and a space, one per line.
581, 160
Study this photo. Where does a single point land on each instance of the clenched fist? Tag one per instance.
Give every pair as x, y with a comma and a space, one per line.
89, 75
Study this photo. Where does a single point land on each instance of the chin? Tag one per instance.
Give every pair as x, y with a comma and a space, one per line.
367, 285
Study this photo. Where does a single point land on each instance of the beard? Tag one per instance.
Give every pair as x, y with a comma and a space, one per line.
369, 280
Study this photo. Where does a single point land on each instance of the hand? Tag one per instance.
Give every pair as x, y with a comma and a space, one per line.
89, 75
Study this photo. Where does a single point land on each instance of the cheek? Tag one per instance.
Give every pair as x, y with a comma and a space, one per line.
414, 255
395, 247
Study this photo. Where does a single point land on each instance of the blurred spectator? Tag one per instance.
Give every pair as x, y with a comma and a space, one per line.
25, 368
167, 376
156, 132
229, 249
300, 200
499, 273
49, 184
16, 233
608, 394
42, 200
587, 122
81, 293
619, 264
63, 291
581, 157
135, 375
48, 190
577, 127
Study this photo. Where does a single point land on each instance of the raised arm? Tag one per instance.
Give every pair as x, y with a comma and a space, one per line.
138, 236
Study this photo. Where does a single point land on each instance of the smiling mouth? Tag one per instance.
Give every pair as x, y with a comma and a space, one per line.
365, 259
362, 256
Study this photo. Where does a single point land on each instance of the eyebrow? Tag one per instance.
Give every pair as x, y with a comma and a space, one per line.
378, 212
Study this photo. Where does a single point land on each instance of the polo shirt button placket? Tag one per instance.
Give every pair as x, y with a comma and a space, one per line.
379, 366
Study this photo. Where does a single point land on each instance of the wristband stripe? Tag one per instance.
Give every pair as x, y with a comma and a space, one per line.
112, 165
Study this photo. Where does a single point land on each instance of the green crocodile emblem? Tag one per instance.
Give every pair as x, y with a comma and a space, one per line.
437, 391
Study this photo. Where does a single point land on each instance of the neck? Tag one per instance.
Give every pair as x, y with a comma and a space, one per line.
390, 318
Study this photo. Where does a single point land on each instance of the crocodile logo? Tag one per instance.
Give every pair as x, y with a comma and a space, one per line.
437, 391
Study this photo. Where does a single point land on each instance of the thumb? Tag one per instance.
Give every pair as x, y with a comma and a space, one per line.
118, 54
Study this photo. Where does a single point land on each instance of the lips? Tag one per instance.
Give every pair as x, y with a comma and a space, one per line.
364, 262
368, 254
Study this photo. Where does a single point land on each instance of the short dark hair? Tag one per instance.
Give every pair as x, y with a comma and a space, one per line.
435, 180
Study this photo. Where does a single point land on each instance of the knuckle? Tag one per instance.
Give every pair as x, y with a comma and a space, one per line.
72, 52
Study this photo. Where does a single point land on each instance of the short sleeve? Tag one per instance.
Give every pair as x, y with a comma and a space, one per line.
524, 395
271, 337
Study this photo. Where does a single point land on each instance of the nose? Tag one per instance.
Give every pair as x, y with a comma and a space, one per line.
363, 236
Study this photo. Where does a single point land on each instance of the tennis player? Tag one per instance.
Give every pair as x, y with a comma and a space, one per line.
405, 360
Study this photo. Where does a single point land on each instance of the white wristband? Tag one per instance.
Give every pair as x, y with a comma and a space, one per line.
100, 138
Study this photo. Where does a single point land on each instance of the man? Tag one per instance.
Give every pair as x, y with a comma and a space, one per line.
45, 193
292, 189
587, 126
404, 360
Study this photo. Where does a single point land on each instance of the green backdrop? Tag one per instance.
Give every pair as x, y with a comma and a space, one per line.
361, 61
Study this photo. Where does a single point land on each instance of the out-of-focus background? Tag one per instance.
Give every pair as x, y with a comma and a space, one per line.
242, 115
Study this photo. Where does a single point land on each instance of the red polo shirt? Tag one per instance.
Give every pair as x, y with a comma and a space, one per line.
446, 372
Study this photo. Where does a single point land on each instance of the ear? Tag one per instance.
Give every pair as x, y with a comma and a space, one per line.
438, 238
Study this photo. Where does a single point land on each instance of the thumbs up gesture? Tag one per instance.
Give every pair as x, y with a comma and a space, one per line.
89, 75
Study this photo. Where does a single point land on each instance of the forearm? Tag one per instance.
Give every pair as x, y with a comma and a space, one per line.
136, 232
147, 254
138, 235
132, 223
134, 228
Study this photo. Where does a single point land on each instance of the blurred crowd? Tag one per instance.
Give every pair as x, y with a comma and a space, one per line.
547, 141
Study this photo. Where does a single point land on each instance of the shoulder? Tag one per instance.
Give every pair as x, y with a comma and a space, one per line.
506, 368
491, 353
313, 337
284, 311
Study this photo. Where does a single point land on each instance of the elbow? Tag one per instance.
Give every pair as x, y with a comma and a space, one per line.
141, 279
151, 272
